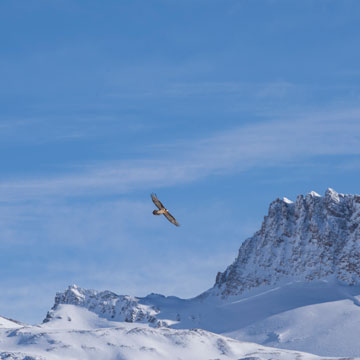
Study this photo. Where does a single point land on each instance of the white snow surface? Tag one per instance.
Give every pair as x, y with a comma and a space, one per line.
8, 323
318, 318
77, 333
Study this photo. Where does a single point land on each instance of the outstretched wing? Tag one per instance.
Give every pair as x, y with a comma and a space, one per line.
157, 202
171, 219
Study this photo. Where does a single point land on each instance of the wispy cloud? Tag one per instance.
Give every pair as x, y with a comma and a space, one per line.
258, 145
45, 128
277, 89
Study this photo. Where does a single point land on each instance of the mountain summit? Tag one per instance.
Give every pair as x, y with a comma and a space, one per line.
312, 238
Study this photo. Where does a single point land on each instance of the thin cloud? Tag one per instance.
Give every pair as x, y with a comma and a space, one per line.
278, 89
273, 143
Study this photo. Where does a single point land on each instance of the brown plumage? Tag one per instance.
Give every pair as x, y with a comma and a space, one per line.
163, 210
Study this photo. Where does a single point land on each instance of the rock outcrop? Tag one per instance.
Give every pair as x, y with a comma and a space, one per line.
107, 305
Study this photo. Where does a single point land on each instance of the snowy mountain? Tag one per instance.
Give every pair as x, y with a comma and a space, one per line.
312, 238
318, 316
294, 285
109, 305
276, 317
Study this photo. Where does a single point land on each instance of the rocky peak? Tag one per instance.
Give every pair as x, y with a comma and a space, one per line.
314, 237
107, 305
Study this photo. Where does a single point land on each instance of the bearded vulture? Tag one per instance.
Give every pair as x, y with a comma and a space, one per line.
162, 210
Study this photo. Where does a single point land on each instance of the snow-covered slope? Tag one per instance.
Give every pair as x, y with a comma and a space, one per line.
8, 323
319, 317
330, 328
76, 333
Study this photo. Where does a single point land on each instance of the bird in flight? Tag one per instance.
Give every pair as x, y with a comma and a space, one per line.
163, 210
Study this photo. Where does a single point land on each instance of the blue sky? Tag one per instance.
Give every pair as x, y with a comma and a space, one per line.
217, 106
